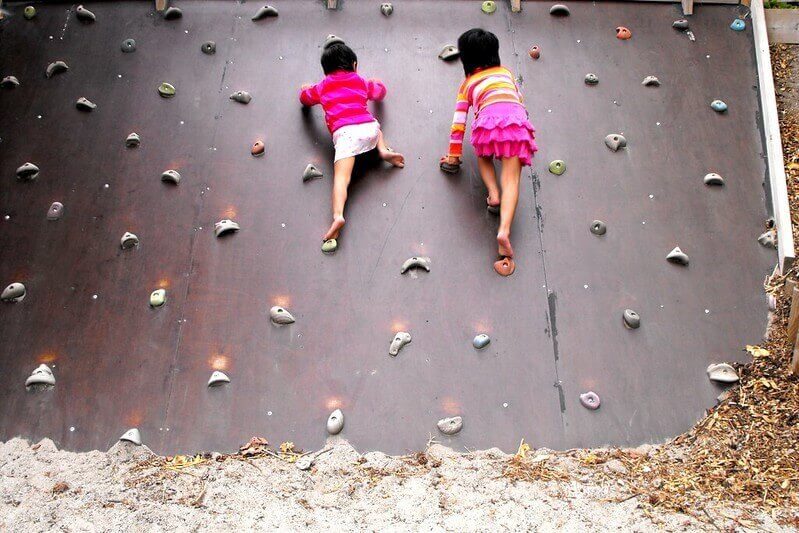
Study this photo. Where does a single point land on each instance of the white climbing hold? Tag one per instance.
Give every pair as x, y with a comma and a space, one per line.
264, 12
311, 172
133, 140
132, 435
128, 240
450, 426
415, 262
224, 227
330, 40
56, 67
335, 422
677, 256
768, 239
449, 52
41, 376
13, 293
722, 373
386, 8
481, 341
84, 104
651, 81
27, 172
280, 315
243, 97
171, 176
400, 339
55, 211
9, 82
157, 298
84, 14
713, 179
218, 378
614, 141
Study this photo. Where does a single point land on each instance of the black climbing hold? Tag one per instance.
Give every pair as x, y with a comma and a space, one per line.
242, 97
591, 79
386, 8
330, 40
713, 179
598, 227
264, 12
651, 81
27, 172
559, 10
133, 140
614, 141
56, 67
84, 15
171, 176
85, 105
223, 227
128, 46
9, 82
173, 13
208, 47
680, 24
311, 172
13, 293
415, 262
166, 90
678, 257
55, 211
29, 12
590, 400
449, 52
450, 168
631, 319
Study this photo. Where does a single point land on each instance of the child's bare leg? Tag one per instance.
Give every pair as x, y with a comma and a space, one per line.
511, 173
395, 158
486, 167
342, 173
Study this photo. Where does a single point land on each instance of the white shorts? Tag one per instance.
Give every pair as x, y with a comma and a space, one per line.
355, 139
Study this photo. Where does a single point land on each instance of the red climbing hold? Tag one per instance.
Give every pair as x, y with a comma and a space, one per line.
623, 33
534, 52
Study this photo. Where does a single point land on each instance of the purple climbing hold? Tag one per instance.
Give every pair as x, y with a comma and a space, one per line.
590, 400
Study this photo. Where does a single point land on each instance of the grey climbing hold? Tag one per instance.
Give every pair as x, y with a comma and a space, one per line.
718, 106
614, 141
449, 52
133, 140
722, 373
329, 246
280, 316
415, 262
128, 46
84, 14
41, 376
265, 12
590, 400
400, 339
157, 298
128, 240
677, 256
680, 24
335, 422
738, 25
223, 227
9, 82
450, 168
132, 435
488, 7
311, 172
768, 239
208, 47
173, 13
84, 104
56, 67
450, 426
171, 176
27, 172
559, 10
14, 293
481, 341
651, 81
166, 90
243, 97
713, 179
55, 211
330, 40
386, 8
631, 319
598, 227
29, 12
591, 79
557, 167
218, 378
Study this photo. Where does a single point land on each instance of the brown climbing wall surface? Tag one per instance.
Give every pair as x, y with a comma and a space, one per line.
120, 363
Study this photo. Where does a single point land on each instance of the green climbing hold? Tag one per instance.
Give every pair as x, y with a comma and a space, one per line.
557, 167
329, 246
29, 12
166, 90
489, 6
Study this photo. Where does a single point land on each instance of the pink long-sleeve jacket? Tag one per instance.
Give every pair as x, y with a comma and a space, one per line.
343, 96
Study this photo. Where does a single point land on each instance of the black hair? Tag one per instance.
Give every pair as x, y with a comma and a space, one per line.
338, 56
478, 49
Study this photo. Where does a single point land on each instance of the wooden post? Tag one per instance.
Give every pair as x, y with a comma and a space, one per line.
332, 4
161, 5
788, 288
795, 361
515, 5
793, 317
687, 7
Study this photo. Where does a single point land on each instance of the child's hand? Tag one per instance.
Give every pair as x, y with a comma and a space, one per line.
305, 86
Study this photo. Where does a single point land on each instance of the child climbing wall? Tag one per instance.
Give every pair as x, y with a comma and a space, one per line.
501, 129
343, 95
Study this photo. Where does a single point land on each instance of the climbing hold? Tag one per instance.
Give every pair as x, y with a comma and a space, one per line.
534, 52
27, 172
258, 149
330, 40
218, 378
132, 140
242, 97
631, 319
157, 298
481, 341
623, 33
172, 13
41, 376
557, 167
29, 12
449, 52
450, 426
559, 10
166, 90
386, 8
128, 46
56, 67
415, 262
651, 81
722, 373
590, 400
680, 24
84, 14
768, 239
329, 246
311, 172
84, 104
598, 227
14, 293
264, 12
132, 435
614, 141
9, 82
718, 106
171, 176
335, 422
591, 79
400, 339
280, 316
55, 211
223, 227
489, 6
128, 240
208, 47
677, 256
738, 25
713, 179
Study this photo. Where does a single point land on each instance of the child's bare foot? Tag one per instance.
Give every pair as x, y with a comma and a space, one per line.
395, 158
335, 228
503, 245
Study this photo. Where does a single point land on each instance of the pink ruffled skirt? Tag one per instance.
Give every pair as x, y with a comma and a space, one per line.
503, 130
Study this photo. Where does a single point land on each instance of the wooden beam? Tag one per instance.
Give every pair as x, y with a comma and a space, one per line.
161, 5
795, 361
687, 7
515, 6
782, 25
793, 317
332, 4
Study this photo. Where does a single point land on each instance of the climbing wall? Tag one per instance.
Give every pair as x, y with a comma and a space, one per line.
555, 325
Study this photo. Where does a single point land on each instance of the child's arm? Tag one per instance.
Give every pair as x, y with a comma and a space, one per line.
458, 124
309, 95
375, 90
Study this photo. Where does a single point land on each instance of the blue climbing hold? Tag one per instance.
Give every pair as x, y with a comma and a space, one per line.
718, 106
738, 25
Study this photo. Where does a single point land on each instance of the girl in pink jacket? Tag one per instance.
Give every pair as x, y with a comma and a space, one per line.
343, 95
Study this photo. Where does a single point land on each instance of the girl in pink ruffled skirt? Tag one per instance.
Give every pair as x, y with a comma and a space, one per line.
501, 130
